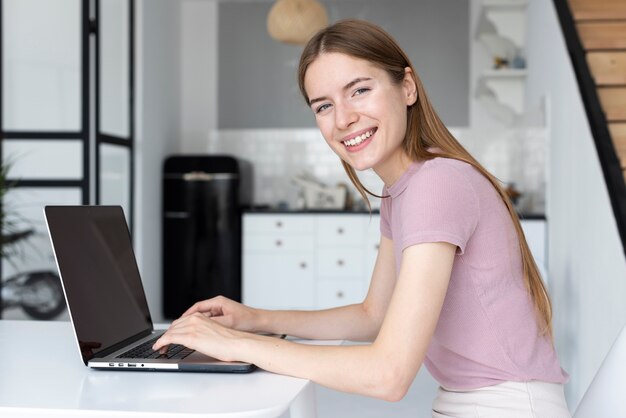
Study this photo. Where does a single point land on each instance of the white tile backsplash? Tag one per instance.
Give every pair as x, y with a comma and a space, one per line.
512, 155
278, 154
516, 155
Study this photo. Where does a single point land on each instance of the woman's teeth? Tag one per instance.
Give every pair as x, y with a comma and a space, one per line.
358, 139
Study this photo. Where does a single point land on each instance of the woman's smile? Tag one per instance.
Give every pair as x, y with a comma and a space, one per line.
359, 141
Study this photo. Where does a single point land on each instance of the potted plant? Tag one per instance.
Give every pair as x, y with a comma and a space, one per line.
38, 293
9, 235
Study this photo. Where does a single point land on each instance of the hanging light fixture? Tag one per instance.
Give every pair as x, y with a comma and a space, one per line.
295, 21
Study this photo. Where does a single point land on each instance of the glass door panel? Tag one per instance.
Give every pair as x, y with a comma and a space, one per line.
115, 176
114, 64
41, 66
43, 159
66, 128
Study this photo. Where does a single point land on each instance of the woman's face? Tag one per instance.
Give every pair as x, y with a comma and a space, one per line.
361, 113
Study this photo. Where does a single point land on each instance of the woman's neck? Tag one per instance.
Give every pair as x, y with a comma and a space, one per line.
393, 168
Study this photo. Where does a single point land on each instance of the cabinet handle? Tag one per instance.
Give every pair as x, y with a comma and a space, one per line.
279, 243
279, 224
340, 262
340, 295
302, 265
377, 247
340, 231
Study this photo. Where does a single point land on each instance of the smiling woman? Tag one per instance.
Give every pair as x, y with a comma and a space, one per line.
454, 287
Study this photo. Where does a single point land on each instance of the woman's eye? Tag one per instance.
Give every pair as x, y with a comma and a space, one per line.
361, 91
322, 108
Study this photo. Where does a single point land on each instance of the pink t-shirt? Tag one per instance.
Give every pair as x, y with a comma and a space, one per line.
487, 332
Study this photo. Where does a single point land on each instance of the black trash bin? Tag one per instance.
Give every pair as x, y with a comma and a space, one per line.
201, 231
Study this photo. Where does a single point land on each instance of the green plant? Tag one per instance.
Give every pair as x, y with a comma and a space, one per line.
37, 292
10, 233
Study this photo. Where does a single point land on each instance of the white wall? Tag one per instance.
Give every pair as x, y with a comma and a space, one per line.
586, 261
157, 130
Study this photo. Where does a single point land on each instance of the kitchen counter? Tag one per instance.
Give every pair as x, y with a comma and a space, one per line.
293, 211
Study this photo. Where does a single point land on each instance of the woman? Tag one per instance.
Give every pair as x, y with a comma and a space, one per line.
454, 287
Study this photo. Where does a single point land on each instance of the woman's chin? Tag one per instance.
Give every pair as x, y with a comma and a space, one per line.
359, 161
361, 166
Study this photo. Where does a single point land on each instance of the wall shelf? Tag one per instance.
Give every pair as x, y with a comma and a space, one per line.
502, 30
506, 73
504, 18
506, 86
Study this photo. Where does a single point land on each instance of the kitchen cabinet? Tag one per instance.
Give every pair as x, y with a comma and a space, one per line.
297, 260
307, 261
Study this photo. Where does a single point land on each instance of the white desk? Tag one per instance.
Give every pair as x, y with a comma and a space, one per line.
41, 374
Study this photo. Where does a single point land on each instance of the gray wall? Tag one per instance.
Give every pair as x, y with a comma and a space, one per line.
257, 75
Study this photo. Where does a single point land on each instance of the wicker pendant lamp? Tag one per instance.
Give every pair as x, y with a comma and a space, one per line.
295, 21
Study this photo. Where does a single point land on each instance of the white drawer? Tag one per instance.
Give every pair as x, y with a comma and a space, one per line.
372, 242
284, 282
279, 242
284, 224
332, 293
307, 261
340, 230
371, 226
344, 263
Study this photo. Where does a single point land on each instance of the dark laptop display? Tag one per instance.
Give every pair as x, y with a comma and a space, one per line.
104, 293
100, 276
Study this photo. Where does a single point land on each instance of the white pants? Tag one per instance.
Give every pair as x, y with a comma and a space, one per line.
506, 400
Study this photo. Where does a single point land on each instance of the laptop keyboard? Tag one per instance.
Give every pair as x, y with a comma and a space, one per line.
145, 351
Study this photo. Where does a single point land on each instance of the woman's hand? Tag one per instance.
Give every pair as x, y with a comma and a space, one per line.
201, 333
229, 313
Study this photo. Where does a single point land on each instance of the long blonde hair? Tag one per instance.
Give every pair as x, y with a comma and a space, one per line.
425, 130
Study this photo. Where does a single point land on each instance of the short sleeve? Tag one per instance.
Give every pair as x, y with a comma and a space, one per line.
440, 205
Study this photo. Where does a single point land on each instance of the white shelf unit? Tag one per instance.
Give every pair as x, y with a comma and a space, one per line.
502, 30
502, 92
506, 19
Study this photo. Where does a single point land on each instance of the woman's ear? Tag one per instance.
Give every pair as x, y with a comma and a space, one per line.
409, 86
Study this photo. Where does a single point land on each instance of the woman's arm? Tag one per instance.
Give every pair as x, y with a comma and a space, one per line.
357, 322
384, 369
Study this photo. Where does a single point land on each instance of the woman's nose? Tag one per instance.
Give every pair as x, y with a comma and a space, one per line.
345, 116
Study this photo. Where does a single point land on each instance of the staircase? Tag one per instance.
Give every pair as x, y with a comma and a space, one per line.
595, 34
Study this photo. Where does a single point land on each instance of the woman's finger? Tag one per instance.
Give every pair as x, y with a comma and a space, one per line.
196, 307
209, 305
171, 336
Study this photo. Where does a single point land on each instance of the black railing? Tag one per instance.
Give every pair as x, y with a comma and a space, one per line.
609, 161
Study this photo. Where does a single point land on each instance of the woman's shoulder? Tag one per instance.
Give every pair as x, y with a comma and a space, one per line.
448, 164
441, 169
443, 179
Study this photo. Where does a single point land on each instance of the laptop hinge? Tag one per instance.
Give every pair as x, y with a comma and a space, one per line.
112, 349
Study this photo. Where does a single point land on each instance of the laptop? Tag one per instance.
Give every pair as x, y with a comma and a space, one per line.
105, 296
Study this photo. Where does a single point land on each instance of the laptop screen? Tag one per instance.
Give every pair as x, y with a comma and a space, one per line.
100, 277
